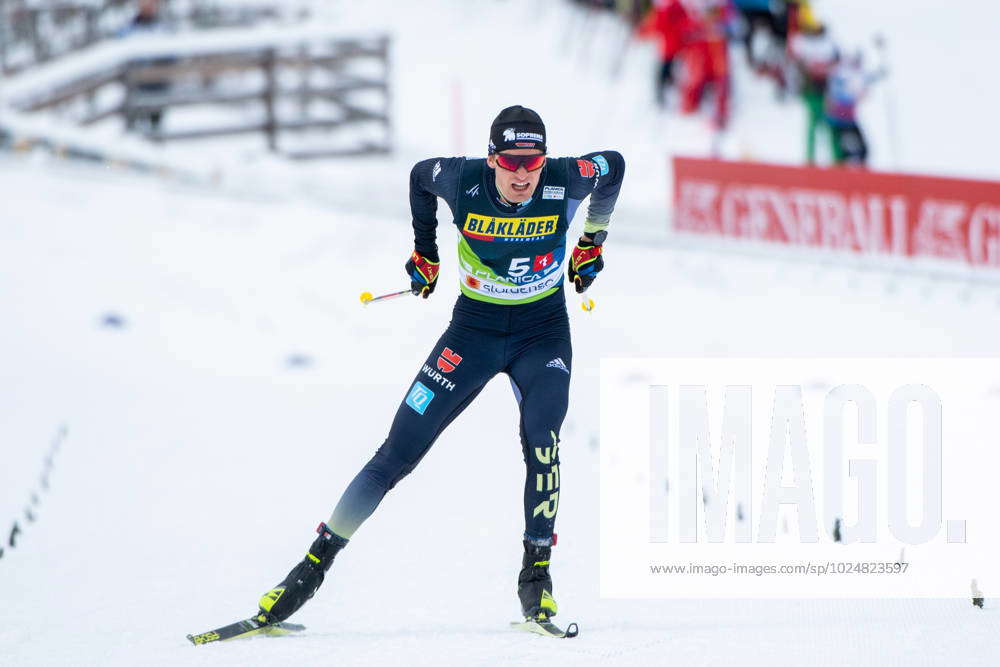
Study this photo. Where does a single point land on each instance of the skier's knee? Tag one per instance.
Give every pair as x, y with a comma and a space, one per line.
540, 430
389, 465
541, 453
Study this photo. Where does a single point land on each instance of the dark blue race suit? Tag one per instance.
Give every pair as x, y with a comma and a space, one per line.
510, 318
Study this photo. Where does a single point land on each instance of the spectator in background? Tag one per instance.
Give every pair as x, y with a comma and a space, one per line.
669, 22
633, 11
765, 38
706, 59
814, 55
768, 15
147, 21
846, 86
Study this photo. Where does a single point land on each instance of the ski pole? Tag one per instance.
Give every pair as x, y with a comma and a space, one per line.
586, 303
366, 297
890, 100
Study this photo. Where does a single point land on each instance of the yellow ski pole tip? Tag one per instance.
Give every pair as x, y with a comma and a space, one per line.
587, 305
366, 297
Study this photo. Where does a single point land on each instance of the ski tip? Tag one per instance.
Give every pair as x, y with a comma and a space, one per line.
572, 630
204, 638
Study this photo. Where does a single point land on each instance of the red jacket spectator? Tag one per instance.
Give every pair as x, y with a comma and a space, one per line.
706, 60
669, 21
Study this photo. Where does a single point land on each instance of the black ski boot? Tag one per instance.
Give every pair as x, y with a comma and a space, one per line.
534, 585
302, 582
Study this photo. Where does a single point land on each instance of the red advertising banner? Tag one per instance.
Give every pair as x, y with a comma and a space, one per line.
842, 209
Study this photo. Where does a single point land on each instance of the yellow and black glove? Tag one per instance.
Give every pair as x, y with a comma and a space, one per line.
423, 272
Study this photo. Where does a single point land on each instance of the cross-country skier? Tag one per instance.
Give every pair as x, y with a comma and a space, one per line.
512, 210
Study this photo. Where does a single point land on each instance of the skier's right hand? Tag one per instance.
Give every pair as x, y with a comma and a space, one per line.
585, 263
423, 272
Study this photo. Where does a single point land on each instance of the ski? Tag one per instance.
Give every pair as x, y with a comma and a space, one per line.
245, 628
546, 628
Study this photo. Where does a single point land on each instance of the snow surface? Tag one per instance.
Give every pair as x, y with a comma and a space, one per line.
198, 459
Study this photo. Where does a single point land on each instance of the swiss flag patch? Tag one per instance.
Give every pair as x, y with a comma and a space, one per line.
542, 262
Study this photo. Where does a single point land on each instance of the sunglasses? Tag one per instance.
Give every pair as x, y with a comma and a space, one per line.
512, 162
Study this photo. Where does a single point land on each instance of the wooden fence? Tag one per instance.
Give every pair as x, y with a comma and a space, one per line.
337, 90
32, 33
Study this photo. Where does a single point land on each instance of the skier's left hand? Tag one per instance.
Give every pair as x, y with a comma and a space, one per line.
585, 263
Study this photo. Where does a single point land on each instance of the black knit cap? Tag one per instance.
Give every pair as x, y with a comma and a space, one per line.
517, 127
